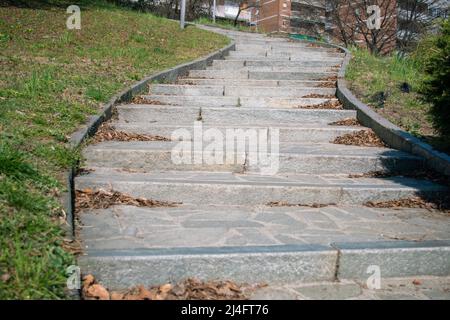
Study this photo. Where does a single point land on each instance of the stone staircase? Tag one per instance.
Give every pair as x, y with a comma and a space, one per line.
233, 222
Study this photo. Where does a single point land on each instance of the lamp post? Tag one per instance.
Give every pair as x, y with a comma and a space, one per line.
182, 13
214, 11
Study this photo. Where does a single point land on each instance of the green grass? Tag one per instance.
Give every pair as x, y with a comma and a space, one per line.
51, 80
224, 24
368, 75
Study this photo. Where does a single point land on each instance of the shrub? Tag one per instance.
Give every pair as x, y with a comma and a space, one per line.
436, 87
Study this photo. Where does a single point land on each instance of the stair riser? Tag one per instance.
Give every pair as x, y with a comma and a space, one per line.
275, 47
260, 75
296, 68
238, 102
300, 59
114, 272
286, 134
252, 83
253, 194
228, 64
150, 160
235, 91
289, 53
241, 117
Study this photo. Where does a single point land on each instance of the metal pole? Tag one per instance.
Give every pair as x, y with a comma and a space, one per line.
182, 13
214, 11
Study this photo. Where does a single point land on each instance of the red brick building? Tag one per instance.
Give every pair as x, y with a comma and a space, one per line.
331, 19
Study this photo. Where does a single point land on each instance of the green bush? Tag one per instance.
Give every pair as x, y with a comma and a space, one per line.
436, 87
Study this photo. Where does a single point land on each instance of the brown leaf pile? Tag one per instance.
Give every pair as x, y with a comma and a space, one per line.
101, 199
416, 174
143, 100
332, 78
106, 132
319, 96
350, 122
328, 84
363, 138
330, 104
285, 204
413, 202
190, 289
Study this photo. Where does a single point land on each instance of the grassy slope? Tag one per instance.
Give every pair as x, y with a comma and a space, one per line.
51, 80
368, 75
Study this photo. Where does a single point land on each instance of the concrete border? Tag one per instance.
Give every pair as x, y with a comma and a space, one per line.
391, 134
77, 138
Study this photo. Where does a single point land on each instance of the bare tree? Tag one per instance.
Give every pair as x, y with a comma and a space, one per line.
352, 23
415, 18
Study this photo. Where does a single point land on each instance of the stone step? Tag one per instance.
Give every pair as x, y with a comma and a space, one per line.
280, 46
312, 132
238, 102
187, 226
224, 188
296, 58
266, 264
242, 155
260, 75
231, 64
296, 69
229, 116
252, 83
288, 53
237, 91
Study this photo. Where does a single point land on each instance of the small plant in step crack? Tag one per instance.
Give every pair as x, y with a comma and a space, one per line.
200, 117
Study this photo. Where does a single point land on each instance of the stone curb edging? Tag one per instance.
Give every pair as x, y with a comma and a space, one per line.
168, 75
391, 134
334, 262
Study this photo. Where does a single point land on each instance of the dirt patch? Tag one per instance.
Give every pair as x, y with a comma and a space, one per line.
413, 202
101, 199
349, 122
363, 138
319, 96
189, 289
106, 132
285, 204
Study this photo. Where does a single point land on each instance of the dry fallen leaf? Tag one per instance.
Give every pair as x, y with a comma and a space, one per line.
88, 280
97, 291
117, 296
165, 288
417, 282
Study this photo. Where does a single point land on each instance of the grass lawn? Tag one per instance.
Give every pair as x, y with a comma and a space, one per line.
51, 80
370, 75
